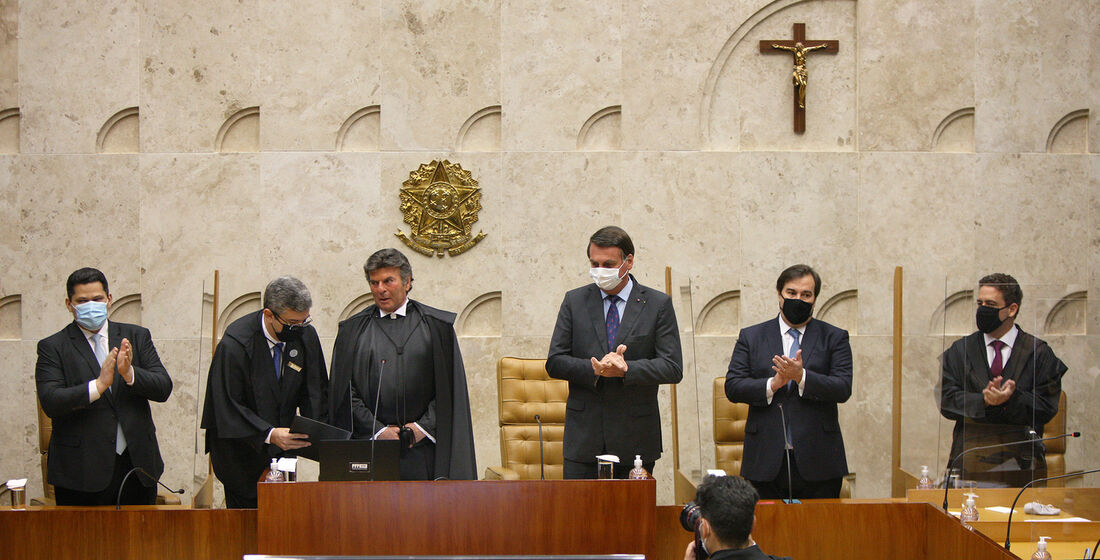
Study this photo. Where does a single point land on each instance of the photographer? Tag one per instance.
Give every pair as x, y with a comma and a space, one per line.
723, 520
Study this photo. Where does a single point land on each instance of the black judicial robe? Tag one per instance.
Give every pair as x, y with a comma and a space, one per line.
454, 447
244, 400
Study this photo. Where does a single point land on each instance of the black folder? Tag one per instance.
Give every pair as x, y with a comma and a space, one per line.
318, 432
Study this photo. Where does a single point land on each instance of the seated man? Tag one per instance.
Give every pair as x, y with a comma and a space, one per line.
726, 505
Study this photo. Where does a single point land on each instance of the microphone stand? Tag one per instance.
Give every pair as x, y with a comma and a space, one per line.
542, 462
118, 499
787, 452
951, 463
1008, 526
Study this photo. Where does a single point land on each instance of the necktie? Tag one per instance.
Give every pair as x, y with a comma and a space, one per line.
277, 354
99, 345
612, 322
794, 350
997, 366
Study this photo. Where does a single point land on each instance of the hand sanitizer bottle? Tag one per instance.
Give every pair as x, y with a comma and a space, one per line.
925, 483
638, 472
969, 509
1041, 550
273, 473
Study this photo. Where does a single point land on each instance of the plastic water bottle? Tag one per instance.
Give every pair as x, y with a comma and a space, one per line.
273, 473
638, 472
925, 483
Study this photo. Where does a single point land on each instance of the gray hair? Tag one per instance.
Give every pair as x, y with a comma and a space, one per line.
287, 292
389, 258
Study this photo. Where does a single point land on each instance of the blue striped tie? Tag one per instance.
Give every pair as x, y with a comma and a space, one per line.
612, 322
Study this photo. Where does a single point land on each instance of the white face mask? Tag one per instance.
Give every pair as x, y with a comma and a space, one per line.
605, 278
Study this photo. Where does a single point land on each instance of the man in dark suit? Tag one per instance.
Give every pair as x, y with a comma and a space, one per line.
95, 379
792, 371
615, 342
267, 366
999, 384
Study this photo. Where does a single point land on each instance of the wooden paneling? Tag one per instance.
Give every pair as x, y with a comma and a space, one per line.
131, 533
459, 517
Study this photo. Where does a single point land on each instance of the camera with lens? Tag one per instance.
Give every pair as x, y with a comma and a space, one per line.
690, 517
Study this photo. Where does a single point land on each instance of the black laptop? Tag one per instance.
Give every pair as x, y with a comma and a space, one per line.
351, 459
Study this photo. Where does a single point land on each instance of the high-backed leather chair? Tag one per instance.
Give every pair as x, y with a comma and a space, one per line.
729, 429
524, 389
1056, 450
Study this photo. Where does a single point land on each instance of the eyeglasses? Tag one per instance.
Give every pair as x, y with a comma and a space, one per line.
304, 323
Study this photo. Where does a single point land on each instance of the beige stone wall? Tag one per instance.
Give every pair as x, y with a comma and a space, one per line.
161, 140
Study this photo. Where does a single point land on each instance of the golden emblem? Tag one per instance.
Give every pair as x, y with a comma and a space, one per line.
440, 200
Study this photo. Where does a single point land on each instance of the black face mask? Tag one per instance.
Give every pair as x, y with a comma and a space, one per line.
797, 311
290, 333
989, 318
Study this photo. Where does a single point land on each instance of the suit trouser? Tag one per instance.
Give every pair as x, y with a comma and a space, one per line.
795, 486
135, 492
238, 464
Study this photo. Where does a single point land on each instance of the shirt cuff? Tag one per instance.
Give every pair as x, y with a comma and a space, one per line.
133, 376
379, 432
768, 393
802, 384
93, 392
426, 434
268, 438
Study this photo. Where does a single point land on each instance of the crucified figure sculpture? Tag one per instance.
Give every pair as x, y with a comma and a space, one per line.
800, 74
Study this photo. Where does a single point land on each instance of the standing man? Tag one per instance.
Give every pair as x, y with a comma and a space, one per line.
999, 384
404, 356
267, 367
95, 379
792, 371
615, 342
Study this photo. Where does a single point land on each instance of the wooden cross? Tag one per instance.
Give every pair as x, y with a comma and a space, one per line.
800, 47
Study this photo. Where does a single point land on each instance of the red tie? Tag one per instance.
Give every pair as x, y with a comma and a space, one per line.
998, 364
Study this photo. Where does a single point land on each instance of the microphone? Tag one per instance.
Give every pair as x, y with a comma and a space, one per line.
1008, 526
1021, 442
374, 417
118, 499
542, 463
787, 447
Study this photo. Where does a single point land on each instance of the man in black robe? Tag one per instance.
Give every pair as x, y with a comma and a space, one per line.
397, 373
268, 366
1000, 384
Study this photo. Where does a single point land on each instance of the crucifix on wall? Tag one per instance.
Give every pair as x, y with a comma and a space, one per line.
800, 47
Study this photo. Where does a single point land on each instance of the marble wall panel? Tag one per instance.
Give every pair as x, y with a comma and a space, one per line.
670, 45
177, 419
80, 210
207, 53
866, 419
9, 54
563, 62
1032, 70
568, 196
1037, 215
20, 420
916, 64
323, 227
916, 211
443, 65
753, 96
66, 94
796, 208
321, 63
11, 242
480, 356
208, 217
1092, 318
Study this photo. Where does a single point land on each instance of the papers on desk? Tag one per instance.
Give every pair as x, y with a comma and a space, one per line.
1045, 518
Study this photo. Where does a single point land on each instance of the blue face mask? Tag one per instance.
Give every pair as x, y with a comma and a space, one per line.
91, 314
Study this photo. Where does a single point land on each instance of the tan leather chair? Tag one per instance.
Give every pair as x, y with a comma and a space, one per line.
1056, 450
45, 429
729, 429
524, 389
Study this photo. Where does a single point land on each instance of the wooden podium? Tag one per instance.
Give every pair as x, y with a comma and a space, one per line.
452, 517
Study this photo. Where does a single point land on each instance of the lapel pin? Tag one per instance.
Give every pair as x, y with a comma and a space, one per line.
294, 353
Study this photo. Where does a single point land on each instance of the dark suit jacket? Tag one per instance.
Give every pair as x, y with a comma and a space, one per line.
609, 415
815, 430
1038, 375
82, 446
244, 400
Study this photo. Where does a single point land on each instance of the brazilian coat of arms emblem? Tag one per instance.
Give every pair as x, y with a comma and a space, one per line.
440, 202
